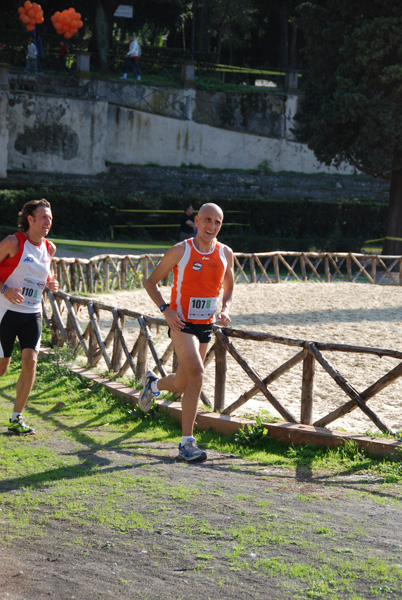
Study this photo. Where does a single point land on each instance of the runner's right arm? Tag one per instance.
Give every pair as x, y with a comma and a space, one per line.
162, 270
9, 248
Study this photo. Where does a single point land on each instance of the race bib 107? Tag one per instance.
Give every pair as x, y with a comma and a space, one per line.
202, 308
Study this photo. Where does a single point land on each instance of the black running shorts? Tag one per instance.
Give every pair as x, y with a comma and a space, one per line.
201, 331
26, 326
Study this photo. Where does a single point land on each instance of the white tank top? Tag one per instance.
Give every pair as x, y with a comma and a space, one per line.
29, 270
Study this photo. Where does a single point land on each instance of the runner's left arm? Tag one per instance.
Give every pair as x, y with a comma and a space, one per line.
52, 282
223, 317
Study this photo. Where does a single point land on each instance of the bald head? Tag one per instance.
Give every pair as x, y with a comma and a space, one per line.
210, 206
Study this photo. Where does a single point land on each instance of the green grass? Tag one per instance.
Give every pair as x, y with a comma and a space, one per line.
90, 404
64, 475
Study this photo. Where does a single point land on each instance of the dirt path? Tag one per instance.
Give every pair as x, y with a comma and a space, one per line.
225, 529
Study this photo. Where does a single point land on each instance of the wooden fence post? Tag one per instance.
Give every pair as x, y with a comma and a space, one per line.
374, 268
252, 269
307, 396
117, 344
106, 274
70, 329
276, 268
59, 334
73, 277
349, 267
303, 267
59, 274
142, 356
327, 269
92, 346
124, 267
145, 268
220, 375
90, 280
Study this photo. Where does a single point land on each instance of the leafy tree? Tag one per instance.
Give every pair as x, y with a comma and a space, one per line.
350, 106
157, 17
275, 37
231, 21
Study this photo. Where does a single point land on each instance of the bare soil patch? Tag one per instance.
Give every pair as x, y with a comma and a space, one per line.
232, 528
304, 518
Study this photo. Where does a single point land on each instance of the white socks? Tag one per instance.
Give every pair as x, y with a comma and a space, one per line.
186, 438
154, 387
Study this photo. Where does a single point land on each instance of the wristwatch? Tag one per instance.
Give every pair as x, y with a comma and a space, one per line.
163, 307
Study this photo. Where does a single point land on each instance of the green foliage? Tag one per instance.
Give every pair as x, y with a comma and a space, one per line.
271, 224
232, 23
152, 416
352, 94
75, 214
251, 435
304, 224
264, 223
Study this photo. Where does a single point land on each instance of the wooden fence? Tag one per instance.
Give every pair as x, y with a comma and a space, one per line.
127, 341
108, 272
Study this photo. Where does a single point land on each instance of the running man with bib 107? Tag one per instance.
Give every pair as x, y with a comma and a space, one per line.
201, 267
25, 260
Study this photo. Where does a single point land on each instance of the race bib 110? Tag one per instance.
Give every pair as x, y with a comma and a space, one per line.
32, 290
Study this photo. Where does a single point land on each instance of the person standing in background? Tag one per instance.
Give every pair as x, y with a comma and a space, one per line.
187, 225
32, 55
61, 62
132, 58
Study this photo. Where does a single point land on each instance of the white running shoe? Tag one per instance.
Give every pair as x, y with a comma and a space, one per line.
191, 452
147, 396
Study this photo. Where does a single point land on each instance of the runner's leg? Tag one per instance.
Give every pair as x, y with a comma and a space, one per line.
4, 364
26, 378
188, 377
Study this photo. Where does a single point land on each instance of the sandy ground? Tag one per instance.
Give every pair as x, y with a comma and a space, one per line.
346, 313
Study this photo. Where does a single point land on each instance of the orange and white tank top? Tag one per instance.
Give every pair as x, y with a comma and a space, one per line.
197, 280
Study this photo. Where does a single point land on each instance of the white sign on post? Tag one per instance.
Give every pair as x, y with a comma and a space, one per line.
124, 10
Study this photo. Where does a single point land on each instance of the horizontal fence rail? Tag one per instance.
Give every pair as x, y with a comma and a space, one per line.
126, 341
109, 272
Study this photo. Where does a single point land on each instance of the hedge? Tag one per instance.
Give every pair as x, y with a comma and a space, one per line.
263, 223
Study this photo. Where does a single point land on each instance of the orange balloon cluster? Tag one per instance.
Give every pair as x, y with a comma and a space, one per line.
31, 14
67, 22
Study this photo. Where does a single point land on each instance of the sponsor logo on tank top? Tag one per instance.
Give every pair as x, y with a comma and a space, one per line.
197, 266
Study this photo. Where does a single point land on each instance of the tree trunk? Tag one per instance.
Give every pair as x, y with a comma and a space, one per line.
221, 29
293, 49
284, 40
104, 18
219, 41
203, 27
193, 30
394, 225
